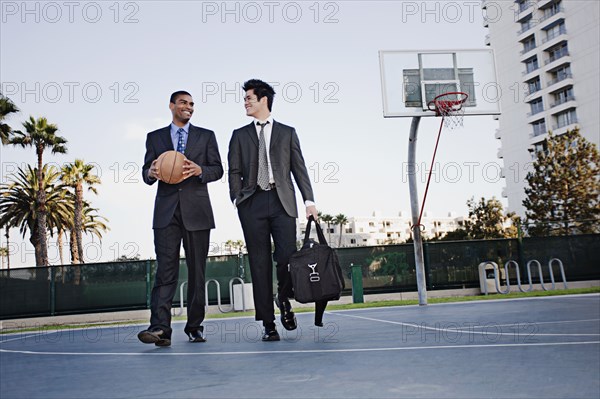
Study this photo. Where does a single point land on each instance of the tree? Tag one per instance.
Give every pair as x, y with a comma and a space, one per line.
4, 254
6, 108
327, 219
41, 135
341, 220
18, 202
563, 193
487, 220
75, 175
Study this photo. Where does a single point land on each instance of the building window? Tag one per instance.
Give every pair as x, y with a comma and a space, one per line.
539, 147
566, 118
524, 5
554, 9
555, 31
531, 64
537, 106
561, 73
563, 96
557, 52
527, 24
349, 230
534, 85
528, 44
352, 241
539, 127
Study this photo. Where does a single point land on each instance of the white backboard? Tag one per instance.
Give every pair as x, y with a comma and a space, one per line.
410, 79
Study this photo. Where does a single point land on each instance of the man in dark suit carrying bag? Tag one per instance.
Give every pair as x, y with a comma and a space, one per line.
182, 212
263, 156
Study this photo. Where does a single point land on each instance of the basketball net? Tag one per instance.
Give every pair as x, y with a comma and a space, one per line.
450, 107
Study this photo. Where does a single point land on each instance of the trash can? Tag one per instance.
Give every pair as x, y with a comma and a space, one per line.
238, 305
487, 282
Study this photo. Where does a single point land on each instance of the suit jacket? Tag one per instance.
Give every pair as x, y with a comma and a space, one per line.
192, 193
286, 160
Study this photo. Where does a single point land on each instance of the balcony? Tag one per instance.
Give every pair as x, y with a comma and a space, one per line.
568, 77
571, 121
562, 101
500, 154
525, 10
525, 27
538, 130
497, 135
531, 92
530, 70
535, 112
527, 49
554, 34
487, 40
549, 13
557, 56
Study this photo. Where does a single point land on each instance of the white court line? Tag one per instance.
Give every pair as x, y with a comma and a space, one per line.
161, 352
456, 330
540, 322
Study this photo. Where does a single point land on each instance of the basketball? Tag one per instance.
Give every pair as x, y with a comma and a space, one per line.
170, 167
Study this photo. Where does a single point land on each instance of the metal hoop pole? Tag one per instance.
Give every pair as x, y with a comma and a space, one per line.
414, 207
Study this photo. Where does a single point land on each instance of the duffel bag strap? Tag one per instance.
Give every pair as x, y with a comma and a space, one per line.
320, 234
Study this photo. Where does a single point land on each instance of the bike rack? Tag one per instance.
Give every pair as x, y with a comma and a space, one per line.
516, 265
206, 285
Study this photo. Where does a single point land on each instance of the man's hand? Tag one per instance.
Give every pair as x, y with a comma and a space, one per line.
154, 172
312, 210
191, 169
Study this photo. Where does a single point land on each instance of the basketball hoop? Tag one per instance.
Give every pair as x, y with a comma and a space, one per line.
450, 107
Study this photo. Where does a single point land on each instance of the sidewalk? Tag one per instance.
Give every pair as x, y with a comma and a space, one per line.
142, 316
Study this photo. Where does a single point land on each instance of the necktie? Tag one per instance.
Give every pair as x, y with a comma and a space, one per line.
263, 166
180, 140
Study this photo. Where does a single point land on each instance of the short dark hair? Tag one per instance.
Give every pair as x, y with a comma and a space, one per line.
175, 95
261, 89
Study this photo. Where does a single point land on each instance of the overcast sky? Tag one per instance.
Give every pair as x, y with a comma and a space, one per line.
103, 72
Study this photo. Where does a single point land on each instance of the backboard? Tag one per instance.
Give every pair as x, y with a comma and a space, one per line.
411, 79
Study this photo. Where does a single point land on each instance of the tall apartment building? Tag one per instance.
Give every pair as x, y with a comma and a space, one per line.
547, 55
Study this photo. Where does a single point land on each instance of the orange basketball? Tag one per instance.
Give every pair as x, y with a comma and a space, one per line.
170, 166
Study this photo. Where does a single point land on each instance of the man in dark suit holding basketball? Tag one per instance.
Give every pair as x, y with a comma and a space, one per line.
263, 156
182, 212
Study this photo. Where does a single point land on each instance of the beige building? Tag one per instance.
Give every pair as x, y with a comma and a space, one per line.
547, 55
382, 230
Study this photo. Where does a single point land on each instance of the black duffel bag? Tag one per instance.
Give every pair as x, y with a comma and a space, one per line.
316, 272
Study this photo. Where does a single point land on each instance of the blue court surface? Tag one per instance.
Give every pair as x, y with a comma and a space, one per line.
523, 348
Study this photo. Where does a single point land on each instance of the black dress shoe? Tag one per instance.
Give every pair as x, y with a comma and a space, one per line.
288, 318
270, 334
155, 336
196, 336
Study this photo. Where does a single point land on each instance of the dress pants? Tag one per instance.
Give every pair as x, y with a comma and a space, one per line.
262, 216
167, 243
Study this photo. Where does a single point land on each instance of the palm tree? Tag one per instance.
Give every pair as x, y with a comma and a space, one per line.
341, 220
41, 135
7, 235
6, 108
328, 219
75, 175
18, 202
93, 223
3, 254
